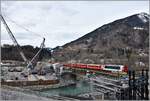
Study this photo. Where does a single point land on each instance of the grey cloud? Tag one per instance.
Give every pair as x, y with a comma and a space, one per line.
68, 11
69, 36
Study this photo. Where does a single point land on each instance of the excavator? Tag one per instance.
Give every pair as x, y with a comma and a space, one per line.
30, 63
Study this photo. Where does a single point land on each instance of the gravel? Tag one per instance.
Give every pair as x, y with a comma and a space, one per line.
7, 94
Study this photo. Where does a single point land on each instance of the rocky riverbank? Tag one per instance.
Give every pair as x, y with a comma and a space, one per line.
9, 93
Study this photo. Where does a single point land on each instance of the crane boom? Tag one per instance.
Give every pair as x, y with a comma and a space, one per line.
30, 64
13, 39
41, 47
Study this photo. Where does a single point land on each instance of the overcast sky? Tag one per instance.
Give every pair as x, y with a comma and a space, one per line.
62, 21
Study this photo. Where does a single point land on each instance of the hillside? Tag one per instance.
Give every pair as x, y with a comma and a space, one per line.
10, 52
110, 41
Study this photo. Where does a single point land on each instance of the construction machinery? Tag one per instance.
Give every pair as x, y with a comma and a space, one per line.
29, 63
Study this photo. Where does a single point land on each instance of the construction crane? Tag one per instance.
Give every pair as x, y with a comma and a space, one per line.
14, 39
30, 63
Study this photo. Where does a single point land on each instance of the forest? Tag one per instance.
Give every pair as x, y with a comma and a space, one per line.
10, 52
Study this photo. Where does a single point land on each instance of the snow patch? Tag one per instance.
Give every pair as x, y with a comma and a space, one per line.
89, 40
144, 17
139, 28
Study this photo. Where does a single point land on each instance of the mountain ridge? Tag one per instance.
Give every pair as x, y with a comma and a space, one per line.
116, 21
109, 41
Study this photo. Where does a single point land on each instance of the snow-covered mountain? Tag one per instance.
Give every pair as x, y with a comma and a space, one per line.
144, 17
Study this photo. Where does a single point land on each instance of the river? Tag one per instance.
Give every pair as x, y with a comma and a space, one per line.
80, 88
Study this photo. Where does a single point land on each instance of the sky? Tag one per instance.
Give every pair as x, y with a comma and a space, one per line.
61, 21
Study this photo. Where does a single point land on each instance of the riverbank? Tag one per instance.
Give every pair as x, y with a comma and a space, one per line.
43, 87
8, 93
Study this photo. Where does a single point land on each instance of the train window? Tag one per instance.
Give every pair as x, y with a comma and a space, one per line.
112, 67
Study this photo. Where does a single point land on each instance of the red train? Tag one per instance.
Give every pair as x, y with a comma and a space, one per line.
109, 68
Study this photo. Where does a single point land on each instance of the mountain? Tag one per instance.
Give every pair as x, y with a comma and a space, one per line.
109, 41
122, 27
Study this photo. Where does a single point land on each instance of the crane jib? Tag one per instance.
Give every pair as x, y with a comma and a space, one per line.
18, 46
13, 39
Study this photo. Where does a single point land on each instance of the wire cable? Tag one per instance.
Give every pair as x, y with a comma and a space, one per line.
37, 34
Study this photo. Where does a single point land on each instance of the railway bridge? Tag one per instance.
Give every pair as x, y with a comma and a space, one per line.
134, 87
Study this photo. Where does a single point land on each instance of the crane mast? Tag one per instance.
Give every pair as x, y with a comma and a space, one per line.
13, 39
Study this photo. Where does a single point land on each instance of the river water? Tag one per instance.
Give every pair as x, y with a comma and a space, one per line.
80, 88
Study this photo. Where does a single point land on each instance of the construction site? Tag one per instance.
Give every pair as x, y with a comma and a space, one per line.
70, 81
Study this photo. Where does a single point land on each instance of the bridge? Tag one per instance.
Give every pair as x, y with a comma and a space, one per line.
134, 87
